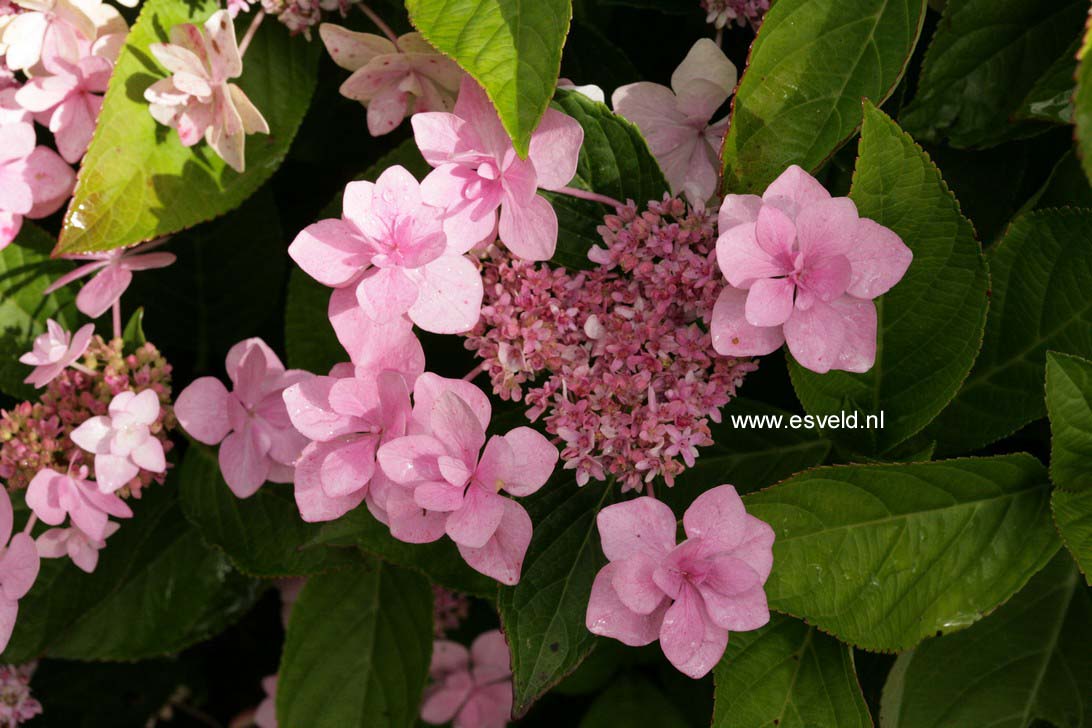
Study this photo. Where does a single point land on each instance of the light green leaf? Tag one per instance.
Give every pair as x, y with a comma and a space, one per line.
787, 675
614, 161
512, 48
1083, 102
930, 324
984, 59
1039, 301
1027, 661
357, 650
1073, 517
132, 606
882, 556
1069, 402
263, 535
26, 270
543, 615
137, 181
1051, 98
800, 96
632, 700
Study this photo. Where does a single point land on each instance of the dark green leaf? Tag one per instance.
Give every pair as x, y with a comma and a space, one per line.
882, 556
930, 324
137, 181
1051, 98
1069, 402
543, 615
1083, 102
1065, 187
1028, 660
309, 339
357, 650
1073, 516
800, 97
632, 700
1039, 301
787, 675
512, 48
984, 59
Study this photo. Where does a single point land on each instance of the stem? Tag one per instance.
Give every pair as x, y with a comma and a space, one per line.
719, 37
30, 523
473, 373
249, 35
81, 368
117, 318
379, 23
651, 490
588, 195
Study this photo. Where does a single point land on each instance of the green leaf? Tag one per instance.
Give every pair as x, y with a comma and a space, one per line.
632, 700
357, 650
614, 161
930, 324
133, 333
1069, 402
1073, 517
984, 59
262, 535
26, 270
1051, 98
1027, 661
1083, 102
787, 675
439, 561
543, 615
1065, 187
137, 181
882, 556
512, 48
1039, 301
134, 605
800, 96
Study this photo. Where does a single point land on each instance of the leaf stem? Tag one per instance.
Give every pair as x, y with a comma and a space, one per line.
589, 195
249, 35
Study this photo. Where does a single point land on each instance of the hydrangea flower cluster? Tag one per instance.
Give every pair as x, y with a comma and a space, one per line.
721, 13
616, 360
469, 688
449, 610
17, 704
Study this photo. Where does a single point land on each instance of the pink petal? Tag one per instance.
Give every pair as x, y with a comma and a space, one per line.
352, 50
690, 640
793, 190
114, 471
474, 523
879, 258
409, 522
314, 503
149, 455
93, 435
385, 295
309, 409
487, 707
536, 457
439, 136
836, 335
99, 294
428, 390
485, 131
348, 465
7, 513
730, 603
826, 280
374, 347
756, 547
449, 296
330, 251
733, 335
640, 526
19, 566
607, 616
529, 231
51, 181
633, 583
243, 463
742, 260
9, 611
502, 557
441, 703
703, 80
52, 543
718, 517
490, 650
41, 497
769, 302
386, 109
202, 410
457, 426
411, 459
439, 496
73, 123
738, 210
827, 228
555, 149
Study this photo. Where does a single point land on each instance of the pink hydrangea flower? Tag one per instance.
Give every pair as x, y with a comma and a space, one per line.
258, 440
450, 475
478, 171
375, 347
54, 351
17, 705
676, 120
803, 269
392, 81
113, 274
122, 441
688, 596
60, 25
390, 246
346, 419
34, 181
75, 544
470, 689
197, 100
19, 564
53, 496
266, 714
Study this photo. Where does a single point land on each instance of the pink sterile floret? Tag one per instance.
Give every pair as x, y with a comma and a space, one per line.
390, 246
259, 442
54, 351
19, 564
113, 273
34, 181
75, 544
122, 442
470, 688
52, 496
478, 171
690, 595
803, 269
439, 464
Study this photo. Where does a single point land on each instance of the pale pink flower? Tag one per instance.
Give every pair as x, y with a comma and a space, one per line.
53, 496
470, 688
266, 714
676, 121
19, 564
122, 441
34, 181
478, 171
803, 269
258, 440
234, 7
690, 595
17, 705
375, 347
61, 25
54, 351
68, 99
75, 544
392, 81
346, 419
113, 274
197, 100
449, 473
722, 12
391, 248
